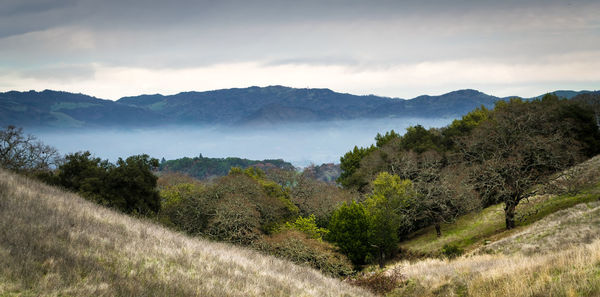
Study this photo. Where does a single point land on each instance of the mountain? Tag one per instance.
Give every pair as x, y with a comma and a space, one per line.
68, 110
233, 107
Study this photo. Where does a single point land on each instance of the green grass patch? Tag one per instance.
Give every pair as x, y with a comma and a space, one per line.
71, 105
63, 120
537, 211
158, 105
464, 232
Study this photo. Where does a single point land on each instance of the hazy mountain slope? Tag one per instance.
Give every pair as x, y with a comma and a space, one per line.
238, 106
62, 109
54, 243
254, 104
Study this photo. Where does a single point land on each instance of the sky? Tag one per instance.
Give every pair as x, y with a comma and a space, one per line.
115, 48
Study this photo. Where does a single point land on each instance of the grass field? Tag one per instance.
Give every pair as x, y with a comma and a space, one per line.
54, 243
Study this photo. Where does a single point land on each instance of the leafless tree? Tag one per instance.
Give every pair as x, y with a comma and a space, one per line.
24, 152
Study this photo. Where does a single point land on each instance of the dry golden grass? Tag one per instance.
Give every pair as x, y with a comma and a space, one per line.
573, 272
54, 243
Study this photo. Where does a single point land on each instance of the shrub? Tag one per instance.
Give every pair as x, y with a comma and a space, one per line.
299, 248
306, 226
129, 186
452, 251
176, 202
348, 229
234, 220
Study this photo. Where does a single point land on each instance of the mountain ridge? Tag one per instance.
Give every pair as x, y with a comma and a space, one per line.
231, 107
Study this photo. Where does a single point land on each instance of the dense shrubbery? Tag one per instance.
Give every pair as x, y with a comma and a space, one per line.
204, 168
129, 185
248, 208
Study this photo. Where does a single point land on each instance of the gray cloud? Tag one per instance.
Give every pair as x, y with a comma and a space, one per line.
359, 34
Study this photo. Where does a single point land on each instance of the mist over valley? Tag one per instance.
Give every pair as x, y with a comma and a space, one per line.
301, 144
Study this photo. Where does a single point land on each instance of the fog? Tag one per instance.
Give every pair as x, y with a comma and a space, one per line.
300, 144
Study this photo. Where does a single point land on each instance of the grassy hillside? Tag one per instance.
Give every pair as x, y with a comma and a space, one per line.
56, 244
475, 229
555, 251
556, 256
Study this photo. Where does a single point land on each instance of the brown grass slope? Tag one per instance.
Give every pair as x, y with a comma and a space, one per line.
54, 243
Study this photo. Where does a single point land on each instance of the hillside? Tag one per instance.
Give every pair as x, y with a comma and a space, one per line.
238, 106
554, 251
56, 244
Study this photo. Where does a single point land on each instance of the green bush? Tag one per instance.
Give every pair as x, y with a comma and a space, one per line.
129, 185
349, 230
452, 251
307, 226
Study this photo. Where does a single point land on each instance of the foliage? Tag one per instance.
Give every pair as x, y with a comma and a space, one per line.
300, 248
173, 200
25, 153
307, 226
234, 219
419, 139
133, 185
464, 125
350, 163
237, 208
271, 188
452, 251
389, 208
381, 140
313, 197
205, 168
129, 186
348, 229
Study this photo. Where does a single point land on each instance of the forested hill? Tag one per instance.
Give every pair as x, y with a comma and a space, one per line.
240, 106
205, 168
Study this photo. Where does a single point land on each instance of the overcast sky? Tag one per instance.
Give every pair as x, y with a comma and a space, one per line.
115, 48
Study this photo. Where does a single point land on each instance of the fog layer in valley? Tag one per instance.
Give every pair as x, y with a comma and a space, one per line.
300, 144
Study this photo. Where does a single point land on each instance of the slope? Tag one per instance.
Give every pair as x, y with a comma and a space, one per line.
555, 251
54, 243
473, 230
67, 110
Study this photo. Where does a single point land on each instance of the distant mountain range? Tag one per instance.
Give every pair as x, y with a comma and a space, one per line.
234, 107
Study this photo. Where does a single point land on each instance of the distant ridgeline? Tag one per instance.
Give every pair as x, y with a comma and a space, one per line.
327, 172
232, 107
205, 168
